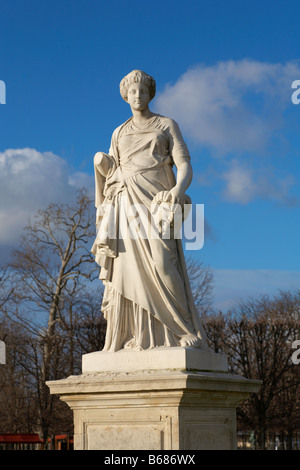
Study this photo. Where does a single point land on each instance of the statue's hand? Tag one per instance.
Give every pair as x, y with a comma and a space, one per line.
173, 200
175, 196
103, 162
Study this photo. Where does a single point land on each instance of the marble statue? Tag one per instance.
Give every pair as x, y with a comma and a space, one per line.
147, 299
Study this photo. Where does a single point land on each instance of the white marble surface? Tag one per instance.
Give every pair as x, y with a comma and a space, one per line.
154, 410
147, 297
160, 358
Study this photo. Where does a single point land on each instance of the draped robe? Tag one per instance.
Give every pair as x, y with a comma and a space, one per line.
147, 299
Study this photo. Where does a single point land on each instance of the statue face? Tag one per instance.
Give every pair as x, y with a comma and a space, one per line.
138, 96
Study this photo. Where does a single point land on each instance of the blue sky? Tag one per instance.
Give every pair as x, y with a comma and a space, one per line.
224, 72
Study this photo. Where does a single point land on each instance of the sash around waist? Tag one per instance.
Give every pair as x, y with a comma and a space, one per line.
116, 181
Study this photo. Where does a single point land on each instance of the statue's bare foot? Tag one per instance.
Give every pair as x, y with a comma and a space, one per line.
190, 341
131, 344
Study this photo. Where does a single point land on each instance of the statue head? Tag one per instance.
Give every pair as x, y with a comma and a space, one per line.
137, 76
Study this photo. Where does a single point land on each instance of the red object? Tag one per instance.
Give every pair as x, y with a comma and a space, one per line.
20, 439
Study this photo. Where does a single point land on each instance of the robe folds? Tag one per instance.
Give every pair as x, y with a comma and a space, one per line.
147, 299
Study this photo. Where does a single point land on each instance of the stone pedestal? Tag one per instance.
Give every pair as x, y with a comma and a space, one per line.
162, 399
162, 358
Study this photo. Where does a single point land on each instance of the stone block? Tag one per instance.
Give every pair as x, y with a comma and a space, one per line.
157, 409
160, 358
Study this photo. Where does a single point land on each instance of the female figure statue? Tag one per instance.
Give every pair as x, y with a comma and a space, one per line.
147, 298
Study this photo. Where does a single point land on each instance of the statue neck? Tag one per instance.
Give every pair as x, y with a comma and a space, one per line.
141, 117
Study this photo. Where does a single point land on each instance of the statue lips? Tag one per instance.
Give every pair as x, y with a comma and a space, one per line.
140, 103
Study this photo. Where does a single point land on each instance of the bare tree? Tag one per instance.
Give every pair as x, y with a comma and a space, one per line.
201, 280
83, 326
6, 289
51, 264
285, 409
15, 412
216, 328
257, 342
90, 325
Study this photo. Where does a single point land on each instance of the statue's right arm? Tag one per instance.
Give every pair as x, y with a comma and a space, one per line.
102, 162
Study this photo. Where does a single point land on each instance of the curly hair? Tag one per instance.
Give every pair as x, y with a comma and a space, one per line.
134, 77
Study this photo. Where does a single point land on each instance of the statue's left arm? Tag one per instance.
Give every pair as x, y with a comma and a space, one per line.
103, 163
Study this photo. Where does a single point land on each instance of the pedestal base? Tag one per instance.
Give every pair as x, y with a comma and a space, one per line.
156, 409
160, 358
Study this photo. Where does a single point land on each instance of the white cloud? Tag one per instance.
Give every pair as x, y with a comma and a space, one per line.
235, 109
244, 184
231, 106
29, 181
240, 185
79, 179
